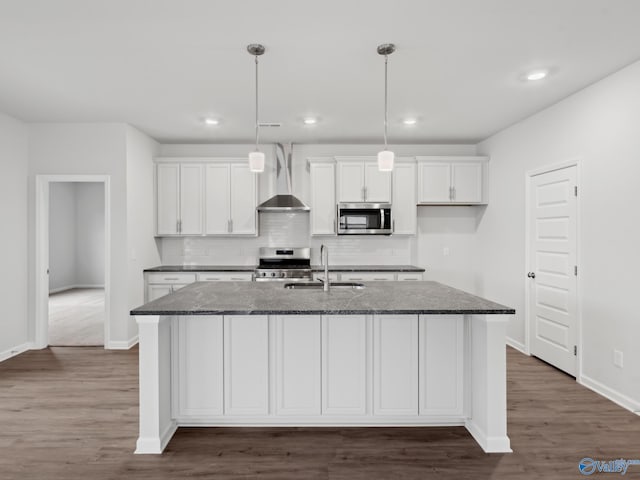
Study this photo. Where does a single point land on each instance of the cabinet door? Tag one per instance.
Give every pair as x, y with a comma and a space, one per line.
350, 181
467, 182
298, 364
404, 210
368, 277
441, 364
409, 277
191, 185
323, 198
157, 291
167, 198
395, 357
246, 365
217, 209
225, 277
377, 184
344, 365
200, 377
243, 200
434, 182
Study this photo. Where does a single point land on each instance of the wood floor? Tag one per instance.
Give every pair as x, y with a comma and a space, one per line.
76, 317
71, 413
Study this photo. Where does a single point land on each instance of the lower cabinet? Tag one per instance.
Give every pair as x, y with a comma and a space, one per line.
301, 367
344, 365
297, 346
395, 365
246, 365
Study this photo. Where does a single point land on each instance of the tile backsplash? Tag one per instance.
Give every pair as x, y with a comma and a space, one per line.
287, 229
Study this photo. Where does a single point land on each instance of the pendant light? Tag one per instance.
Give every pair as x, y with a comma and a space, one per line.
385, 157
256, 158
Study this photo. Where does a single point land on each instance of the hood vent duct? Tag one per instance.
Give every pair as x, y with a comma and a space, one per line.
283, 201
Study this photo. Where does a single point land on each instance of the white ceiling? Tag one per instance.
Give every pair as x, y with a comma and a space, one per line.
163, 65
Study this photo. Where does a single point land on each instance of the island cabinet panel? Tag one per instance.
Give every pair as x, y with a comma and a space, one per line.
441, 364
344, 365
395, 357
246, 365
200, 366
297, 347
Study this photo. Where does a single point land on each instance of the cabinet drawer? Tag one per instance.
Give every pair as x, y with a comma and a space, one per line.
225, 277
171, 278
368, 276
409, 277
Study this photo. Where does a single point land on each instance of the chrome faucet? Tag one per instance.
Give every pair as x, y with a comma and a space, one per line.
324, 260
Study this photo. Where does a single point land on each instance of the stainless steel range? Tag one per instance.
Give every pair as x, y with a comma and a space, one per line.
283, 263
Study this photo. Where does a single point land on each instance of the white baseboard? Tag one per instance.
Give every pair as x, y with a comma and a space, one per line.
517, 345
71, 287
12, 352
611, 394
122, 344
488, 444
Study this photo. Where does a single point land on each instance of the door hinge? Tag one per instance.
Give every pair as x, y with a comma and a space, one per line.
575, 350
575, 190
575, 270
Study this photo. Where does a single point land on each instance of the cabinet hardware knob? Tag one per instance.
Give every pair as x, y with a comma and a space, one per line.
531, 275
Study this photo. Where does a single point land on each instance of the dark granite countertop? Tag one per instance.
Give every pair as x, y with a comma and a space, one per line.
265, 298
368, 268
315, 268
202, 268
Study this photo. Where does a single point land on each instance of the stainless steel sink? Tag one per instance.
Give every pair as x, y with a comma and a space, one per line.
319, 285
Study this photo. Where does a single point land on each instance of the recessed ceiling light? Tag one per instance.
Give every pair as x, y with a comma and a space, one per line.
211, 121
410, 121
310, 121
537, 75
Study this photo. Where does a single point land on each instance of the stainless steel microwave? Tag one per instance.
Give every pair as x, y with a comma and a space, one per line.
364, 219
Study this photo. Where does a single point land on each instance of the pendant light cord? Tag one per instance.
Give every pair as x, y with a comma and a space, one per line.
386, 58
257, 125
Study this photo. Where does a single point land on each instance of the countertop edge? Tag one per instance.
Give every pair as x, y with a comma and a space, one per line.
173, 313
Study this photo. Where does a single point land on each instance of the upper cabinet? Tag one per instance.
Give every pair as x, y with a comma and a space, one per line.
403, 206
179, 199
206, 198
323, 197
359, 180
452, 180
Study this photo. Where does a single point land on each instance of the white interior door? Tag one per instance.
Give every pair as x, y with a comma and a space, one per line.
553, 268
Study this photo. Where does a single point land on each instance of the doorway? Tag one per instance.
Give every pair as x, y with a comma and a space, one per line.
76, 264
552, 286
72, 260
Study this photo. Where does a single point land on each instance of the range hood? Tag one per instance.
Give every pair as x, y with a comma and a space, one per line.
283, 201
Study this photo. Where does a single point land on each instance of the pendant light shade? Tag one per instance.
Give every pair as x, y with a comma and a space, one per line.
256, 158
385, 157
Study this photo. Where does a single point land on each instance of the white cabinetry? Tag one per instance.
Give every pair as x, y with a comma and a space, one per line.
179, 199
200, 350
441, 364
368, 277
344, 365
323, 197
395, 365
246, 365
359, 180
452, 180
231, 198
225, 277
161, 284
403, 205
297, 364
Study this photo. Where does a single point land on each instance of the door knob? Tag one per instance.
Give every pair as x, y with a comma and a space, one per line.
531, 275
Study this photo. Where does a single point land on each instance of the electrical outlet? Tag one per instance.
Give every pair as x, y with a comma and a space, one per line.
445, 251
617, 358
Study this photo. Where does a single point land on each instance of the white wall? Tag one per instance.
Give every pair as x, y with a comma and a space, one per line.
142, 251
89, 230
62, 236
599, 127
87, 149
13, 244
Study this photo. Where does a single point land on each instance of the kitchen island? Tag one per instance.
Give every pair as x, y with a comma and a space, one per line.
257, 354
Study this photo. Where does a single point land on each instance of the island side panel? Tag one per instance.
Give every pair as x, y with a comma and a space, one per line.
156, 425
487, 422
